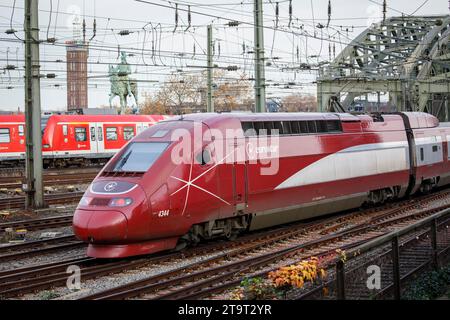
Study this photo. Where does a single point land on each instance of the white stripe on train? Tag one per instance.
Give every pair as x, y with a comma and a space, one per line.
353, 162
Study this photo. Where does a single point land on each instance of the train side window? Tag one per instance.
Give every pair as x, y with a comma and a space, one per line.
248, 129
160, 133
259, 127
111, 134
21, 130
92, 133
290, 127
334, 126
64, 129
278, 128
321, 126
287, 127
295, 127
304, 127
312, 127
435, 148
80, 134
268, 127
247, 126
204, 157
128, 133
4, 135
422, 156
100, 134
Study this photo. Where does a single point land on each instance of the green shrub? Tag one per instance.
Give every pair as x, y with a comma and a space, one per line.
48, 295
255, 289
430, 285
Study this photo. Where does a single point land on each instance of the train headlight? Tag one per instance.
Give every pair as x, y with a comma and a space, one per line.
120, 202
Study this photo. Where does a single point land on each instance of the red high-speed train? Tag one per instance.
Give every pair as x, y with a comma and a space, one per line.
147, 200
72, 139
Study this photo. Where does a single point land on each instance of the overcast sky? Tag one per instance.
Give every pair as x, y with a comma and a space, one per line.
174, 47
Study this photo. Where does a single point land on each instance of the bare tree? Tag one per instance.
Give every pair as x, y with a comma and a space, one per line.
232, 94
151, 105
180, 92
299, 103
183, 93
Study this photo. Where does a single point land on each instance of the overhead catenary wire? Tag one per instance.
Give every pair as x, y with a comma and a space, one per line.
420, 7
163, 54
166, 6
10, 22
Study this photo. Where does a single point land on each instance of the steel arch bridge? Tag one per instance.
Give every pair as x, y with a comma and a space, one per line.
404, 59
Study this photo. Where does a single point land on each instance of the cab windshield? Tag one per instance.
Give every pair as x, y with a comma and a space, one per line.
139, 156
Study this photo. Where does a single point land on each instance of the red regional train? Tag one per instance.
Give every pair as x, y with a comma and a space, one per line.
294, 166
72, 139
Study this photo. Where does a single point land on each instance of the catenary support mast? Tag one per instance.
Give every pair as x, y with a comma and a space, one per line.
33, 163
260, 85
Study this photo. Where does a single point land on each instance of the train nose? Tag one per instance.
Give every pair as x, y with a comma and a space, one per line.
100, 226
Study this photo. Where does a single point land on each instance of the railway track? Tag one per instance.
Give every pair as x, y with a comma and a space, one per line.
38, 247
45, 276
220, 272
18, 202
54, 179
415, 256
38, 224
14, 173
28, 279
204, 283
24, 280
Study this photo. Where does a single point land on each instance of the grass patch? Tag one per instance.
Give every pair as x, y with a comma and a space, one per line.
48, 295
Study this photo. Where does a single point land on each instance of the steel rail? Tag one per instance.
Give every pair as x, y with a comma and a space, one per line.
173, 277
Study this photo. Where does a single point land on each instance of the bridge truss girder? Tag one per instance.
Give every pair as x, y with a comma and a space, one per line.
406, 57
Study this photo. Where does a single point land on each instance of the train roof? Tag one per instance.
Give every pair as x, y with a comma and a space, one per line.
416, 119
419, 120
88, 118
275, 116
374, 122
104, 118
5, 118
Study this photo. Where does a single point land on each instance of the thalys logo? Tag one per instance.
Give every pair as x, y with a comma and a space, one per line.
110, 186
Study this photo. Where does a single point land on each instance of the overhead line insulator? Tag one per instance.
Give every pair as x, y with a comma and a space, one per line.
125, 32
176, 17
329, 13
94, 30
290, 13
189, 18
277, 13
84, 30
